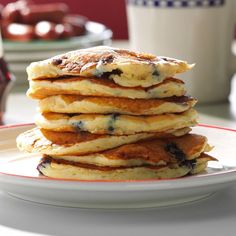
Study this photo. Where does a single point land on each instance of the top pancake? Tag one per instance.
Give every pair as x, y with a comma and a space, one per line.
126, 68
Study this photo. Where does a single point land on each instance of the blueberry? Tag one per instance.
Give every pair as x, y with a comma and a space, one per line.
173, 149
155, 73
79, 125
108, 74
111, 122
179, 155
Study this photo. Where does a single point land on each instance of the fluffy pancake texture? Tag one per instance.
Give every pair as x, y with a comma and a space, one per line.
145, 152
113, 114
102, 87
66, 143
116, 124
54, 169
105, 105
152, 159
66, 170
124, 67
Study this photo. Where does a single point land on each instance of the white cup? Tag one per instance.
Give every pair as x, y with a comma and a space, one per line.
199, 31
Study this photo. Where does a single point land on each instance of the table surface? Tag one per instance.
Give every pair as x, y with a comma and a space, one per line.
213, 216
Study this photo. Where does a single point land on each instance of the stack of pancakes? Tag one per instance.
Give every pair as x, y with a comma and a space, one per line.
115, 114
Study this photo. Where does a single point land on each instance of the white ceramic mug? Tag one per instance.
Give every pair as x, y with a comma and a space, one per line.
199, 31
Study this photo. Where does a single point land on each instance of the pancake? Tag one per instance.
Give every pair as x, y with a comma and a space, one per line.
114, 123
124, 67
102, 87
105, 105
81, 143
67, 170
155, 152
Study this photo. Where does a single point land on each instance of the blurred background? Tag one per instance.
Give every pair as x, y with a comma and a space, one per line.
33, 31
110, 13
39, 29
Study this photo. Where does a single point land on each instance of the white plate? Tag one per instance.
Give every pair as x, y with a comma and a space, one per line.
19, 177
96, 32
